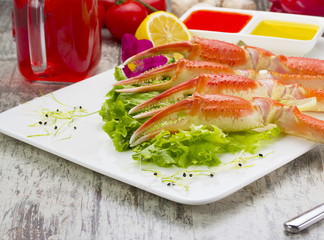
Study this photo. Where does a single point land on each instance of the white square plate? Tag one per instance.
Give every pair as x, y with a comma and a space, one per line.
89, 145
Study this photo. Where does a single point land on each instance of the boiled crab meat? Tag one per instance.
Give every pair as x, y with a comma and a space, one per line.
184, 70
230, 114
236, 57
235, 85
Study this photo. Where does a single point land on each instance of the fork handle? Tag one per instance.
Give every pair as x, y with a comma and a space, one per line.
304, 220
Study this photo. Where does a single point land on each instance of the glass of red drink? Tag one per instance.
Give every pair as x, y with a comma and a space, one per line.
57, 40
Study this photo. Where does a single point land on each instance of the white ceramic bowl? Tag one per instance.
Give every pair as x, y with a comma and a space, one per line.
289, 47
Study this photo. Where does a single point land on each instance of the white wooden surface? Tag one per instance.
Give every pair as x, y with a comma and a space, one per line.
43, 196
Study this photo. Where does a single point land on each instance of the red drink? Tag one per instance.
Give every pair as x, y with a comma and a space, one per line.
72, 40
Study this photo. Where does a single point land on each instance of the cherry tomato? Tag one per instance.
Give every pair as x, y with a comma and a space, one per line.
308, 7
124, 18
157, 4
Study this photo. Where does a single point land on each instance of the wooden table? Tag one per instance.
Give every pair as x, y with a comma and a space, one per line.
46, 197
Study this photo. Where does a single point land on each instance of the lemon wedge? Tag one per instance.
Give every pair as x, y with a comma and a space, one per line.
306, 104
162, 28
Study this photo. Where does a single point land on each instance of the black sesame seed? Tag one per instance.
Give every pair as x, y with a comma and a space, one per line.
212, 175
45, 123
190, 175
46, 115
155, 173
75, 127
184, 174
240, 164
40, 122
55, 127
169, 184
57, 110
260, 155
80, 107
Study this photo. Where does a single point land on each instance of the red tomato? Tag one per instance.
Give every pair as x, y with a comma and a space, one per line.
157, 4
107, 3
124, 18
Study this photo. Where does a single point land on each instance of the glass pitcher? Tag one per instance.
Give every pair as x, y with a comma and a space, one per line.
57, 40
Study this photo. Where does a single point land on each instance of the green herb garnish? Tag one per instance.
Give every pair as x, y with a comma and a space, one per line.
183, 177
53, 121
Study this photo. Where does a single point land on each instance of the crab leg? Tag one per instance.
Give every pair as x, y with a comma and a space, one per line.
178, 72
235, 85
202, 49
237, 57
230, 114
184, 70
309, 81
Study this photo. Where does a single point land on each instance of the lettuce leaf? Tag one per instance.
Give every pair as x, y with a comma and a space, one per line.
119, 125
119, 74
199, 146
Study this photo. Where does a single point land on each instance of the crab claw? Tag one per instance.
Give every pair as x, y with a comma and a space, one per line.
171, 118
237, 57
304, 98
204, 50
145, 79
185, 48
177, 73
236, 85
230, 114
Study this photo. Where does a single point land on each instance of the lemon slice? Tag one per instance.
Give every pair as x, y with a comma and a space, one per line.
306, 104
162, 28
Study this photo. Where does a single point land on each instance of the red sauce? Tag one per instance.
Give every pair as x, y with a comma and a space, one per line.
229, 22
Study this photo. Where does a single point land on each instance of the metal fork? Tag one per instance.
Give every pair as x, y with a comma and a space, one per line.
304, 220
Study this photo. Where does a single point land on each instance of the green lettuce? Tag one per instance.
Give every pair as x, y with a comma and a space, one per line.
119, 125
199, 146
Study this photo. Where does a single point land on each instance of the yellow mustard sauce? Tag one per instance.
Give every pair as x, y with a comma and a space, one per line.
281, 29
